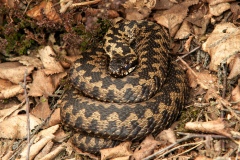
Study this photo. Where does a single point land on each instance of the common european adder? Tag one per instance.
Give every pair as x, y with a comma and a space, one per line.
125, 89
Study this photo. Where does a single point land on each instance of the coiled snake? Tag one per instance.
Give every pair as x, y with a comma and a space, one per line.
124, 90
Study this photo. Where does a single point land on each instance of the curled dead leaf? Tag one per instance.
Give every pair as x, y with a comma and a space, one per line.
15, 127
138, 9
14, 71
11, 91
36, 147
222, 44
45, 8
146, 148
236, 93
203, 78
42, 85
234, 67
122, 150
27, 61
217, 126
167, 135
214, 2
218, 9
174, 16
48, 58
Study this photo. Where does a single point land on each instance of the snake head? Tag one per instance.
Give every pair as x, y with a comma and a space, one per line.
122, 66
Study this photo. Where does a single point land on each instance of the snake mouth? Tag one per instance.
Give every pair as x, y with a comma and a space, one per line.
123, 66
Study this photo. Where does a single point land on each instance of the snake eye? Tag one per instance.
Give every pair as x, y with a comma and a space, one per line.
122, 66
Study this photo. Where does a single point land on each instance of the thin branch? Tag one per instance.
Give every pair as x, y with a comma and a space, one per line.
188, 136
193, 50
27, 113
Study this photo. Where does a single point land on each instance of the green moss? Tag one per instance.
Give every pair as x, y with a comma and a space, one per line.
104, 26
188, 115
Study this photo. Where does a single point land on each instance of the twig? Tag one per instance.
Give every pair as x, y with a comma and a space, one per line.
85, 3
193, 50
37, 129
196, 145
27, 113
168, 147
188, 67
188, 136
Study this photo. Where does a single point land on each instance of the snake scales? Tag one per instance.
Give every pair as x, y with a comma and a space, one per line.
124, 90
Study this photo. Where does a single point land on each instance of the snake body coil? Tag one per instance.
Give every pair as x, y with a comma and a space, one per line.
124, 90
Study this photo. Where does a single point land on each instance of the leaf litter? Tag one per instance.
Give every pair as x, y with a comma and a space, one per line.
61, 30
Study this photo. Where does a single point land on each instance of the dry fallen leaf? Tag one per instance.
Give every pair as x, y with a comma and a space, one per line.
14, 71
9, 111
203, 78
222, 43
174, 16
138, 9
54, 153
146, 148
55, 118
4, 84
218, 9
48, 58
11, 91
27, 61
45, 8
234, 67
41, 110
214, 2
184, 31
36, 147
42, 85
122, 150
167, 135
15, 127
236, 93
216, 126
202, 158
46, 149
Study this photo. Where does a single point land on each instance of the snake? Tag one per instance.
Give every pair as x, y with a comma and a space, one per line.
125, 88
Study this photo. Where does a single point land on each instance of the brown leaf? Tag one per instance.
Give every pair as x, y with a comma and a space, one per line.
15, 127
14, 71
234, 67
236, 93
218, 9
216, 126
167, 135
27, 61
11, 91
222, 43
41, 110
42, 85
146, 148
174, 16
202, 158
9, 111
53, 154
138, 9
45, 8
184, 31
48, 58
122, 150
214, 2
46, 149
4, 84
55, 118
203, 78
36, 147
